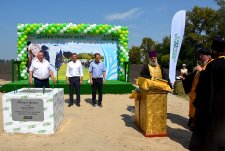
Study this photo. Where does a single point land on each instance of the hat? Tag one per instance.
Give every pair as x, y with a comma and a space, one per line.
204, 51
152, 53
218, 44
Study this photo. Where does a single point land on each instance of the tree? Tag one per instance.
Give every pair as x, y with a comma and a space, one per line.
221, 14
135, 55
146, 46
201, 25
85, 56
163, 50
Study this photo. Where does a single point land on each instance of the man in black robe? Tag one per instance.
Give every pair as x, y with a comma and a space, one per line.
209, 131
190, 81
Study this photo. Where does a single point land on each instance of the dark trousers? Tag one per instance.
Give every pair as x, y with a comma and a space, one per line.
74, 82
41, 83
97, 84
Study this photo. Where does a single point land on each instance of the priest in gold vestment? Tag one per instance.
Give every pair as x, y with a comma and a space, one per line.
153, 70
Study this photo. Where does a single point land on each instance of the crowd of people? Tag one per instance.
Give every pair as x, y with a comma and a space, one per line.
206, 89
205, 86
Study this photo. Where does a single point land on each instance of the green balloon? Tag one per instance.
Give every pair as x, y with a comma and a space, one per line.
23, 67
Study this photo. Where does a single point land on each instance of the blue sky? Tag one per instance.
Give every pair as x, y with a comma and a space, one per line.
144, 18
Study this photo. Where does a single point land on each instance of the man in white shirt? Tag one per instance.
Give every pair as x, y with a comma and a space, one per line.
74, 77
40, 70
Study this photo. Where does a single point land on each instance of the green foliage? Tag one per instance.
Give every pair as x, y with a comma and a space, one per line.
146, 45
201, 25
221, 16
85, 56
164, 60
135, 55
163, 50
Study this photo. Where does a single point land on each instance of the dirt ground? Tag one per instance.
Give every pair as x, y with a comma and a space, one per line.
110, 128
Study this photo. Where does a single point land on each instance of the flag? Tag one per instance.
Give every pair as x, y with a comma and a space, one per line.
177, 32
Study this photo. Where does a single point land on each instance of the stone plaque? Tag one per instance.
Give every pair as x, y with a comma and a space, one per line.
27, 109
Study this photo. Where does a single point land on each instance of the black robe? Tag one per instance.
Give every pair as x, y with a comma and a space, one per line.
187, 82
209, 132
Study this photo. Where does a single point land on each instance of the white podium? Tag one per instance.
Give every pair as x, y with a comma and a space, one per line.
33, 110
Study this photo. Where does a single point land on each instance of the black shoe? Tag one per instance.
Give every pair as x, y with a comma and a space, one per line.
70, 105
78, 104
100, 104
93, 103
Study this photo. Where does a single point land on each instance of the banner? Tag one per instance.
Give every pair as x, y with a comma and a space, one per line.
58, 49
177, 32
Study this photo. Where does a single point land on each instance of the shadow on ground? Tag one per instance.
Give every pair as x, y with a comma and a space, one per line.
178, 119
88, 100
129, 121
131, 109
180, 136
68, 100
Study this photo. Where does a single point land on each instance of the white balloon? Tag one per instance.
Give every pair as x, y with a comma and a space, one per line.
22, 74
22, 52
19, 55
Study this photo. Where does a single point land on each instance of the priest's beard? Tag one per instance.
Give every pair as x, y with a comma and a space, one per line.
154, 64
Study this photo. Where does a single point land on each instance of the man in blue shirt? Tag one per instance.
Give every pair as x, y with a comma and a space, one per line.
97, 72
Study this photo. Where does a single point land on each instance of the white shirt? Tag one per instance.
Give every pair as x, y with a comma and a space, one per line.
74, 69
40, 69
183, 71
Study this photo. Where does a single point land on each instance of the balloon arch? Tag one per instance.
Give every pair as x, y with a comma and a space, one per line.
119, 32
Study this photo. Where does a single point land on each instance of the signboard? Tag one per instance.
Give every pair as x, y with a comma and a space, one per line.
27, 109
